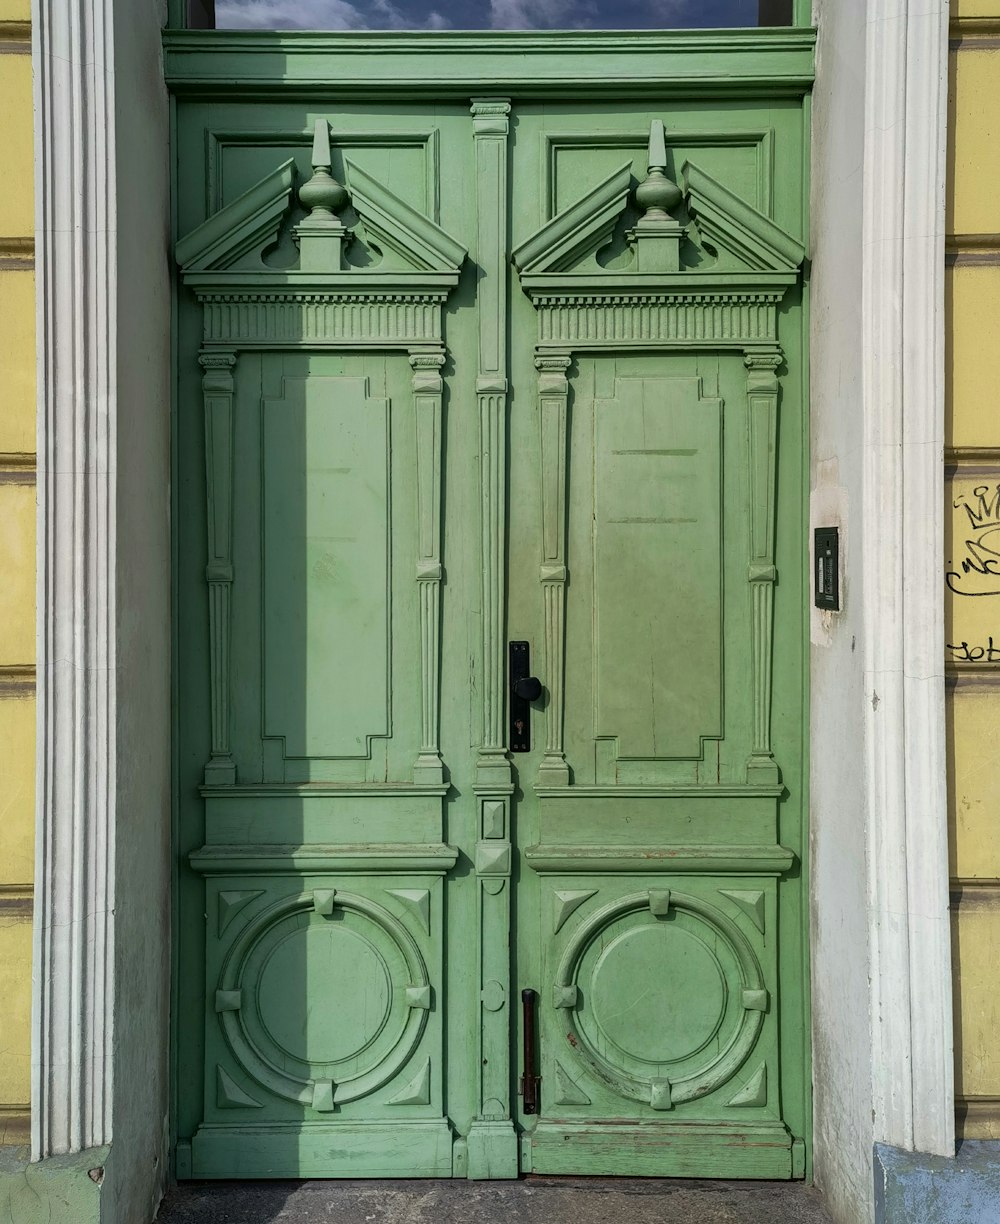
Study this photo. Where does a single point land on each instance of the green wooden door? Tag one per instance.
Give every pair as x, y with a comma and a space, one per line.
452, 374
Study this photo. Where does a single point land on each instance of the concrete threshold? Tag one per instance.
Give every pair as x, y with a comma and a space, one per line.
538, 1200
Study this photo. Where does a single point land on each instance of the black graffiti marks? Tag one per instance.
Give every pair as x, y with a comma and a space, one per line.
966, 653
978, 572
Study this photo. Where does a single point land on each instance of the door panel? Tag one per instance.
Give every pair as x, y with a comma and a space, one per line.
448, 378
653, 853
330, 437
657, 574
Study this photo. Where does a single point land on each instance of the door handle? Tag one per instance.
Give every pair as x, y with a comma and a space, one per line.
528, 687
524, 689
530, 1079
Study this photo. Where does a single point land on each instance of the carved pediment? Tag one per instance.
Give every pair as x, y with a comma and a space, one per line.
577, 231
250, 221
416, 239
323, 298
728, 223
227, 250
734, 245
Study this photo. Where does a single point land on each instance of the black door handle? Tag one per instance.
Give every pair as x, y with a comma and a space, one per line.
528, 688
524, 689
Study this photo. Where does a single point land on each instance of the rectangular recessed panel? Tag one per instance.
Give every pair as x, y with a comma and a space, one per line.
657, 563
326, 567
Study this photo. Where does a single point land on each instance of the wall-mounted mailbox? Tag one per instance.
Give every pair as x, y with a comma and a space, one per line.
826, 560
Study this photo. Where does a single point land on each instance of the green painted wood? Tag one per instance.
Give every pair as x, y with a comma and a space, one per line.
497, 367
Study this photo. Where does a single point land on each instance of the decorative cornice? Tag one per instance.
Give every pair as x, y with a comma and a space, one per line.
324, 790
965, 242
987, 457
693, 320
16, 903
436, 858
17, 468
974, 33
746, 63
751, 860
17, 254
969, 250
975, 894
17, 680
380, 320
15, 37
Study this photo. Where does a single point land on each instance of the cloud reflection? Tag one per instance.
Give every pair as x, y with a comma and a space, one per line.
473, 14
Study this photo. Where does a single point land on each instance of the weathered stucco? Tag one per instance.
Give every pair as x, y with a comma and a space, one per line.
841, 1022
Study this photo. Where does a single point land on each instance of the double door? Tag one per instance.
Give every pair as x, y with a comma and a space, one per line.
490, 639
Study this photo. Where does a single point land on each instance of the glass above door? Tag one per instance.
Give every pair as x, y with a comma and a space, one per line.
499, 14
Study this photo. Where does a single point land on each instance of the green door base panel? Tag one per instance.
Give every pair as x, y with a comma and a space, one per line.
368, 1149
766, 1151
454, 374
59, 1190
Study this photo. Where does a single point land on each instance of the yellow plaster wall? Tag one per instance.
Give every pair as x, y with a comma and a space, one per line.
17, 342
972, 556
972, 308
17, 571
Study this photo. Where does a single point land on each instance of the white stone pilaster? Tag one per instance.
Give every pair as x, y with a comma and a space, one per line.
76, 761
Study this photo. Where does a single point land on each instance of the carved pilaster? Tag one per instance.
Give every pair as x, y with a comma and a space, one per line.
427, 387
762, 418
553, 395
217, 386
490, 125
492, 1141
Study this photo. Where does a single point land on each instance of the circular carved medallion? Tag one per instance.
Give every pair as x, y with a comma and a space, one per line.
329, 992
658, 993
323, 993
663, 998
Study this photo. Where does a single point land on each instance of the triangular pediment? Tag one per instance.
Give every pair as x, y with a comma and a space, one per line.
735, 228
416, 239
683, 237
253, 221
579, 230
249, 222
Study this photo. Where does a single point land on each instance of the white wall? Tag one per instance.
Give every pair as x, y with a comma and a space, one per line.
883, 1058
840, 990
142, 885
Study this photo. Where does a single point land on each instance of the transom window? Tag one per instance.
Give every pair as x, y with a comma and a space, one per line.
498, 14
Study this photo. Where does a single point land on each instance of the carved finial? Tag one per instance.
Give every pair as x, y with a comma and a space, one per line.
657, 194
321, 235
323, 195
657, 236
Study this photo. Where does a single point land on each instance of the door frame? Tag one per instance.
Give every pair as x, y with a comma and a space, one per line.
90, 657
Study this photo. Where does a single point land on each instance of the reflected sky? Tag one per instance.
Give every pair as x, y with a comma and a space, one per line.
476, 15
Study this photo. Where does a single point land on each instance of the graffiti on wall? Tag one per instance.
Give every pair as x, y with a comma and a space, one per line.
974, 571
